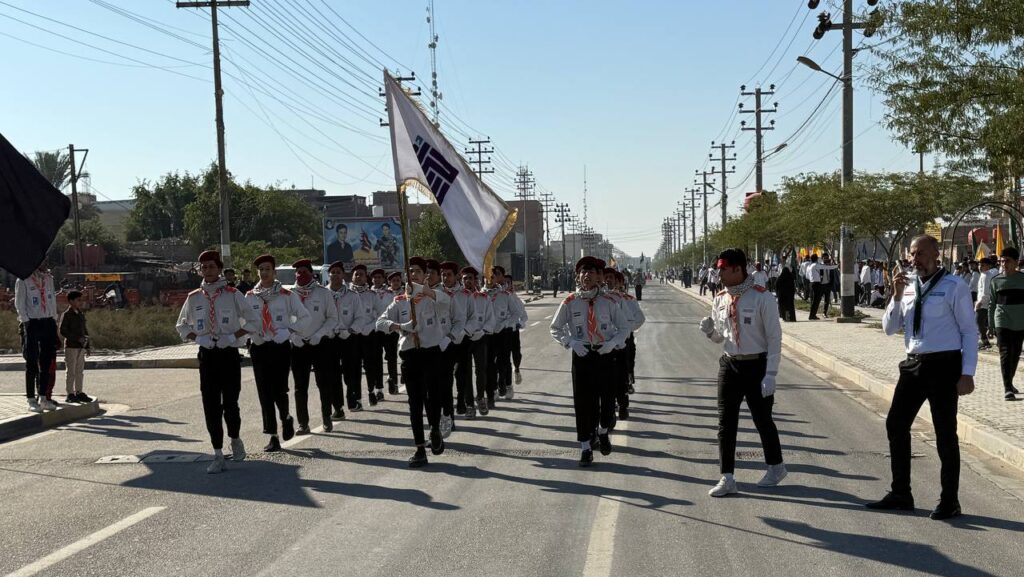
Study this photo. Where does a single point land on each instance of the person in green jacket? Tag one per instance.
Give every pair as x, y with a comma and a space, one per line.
1006, 316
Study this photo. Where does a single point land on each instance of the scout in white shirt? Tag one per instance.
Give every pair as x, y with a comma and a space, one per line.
592, 326
35, 301
479, 320
281, 313
386, 288
940, 334
414, 317
451, 301
369, 340
499, 343
344, 343
217, 318
519, 320
745, 318
308, 350
636, 318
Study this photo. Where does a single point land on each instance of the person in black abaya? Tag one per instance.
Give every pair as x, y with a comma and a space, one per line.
785, 289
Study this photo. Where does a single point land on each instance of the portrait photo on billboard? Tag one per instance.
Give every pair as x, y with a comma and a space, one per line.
374, 242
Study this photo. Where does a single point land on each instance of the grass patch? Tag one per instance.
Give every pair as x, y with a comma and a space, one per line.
134, 328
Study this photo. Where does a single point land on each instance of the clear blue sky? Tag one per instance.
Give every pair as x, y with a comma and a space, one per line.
636, 91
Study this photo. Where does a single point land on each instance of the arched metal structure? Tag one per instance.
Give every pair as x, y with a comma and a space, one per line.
1015, 214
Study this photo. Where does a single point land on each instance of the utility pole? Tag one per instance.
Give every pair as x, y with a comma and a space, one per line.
435, 93
704, 234
399, 79
76, 172
759, 126
218, 93
479, 161
679, 228
547, 200
684, 207
693, 221
562, 217
524, 184
723, 158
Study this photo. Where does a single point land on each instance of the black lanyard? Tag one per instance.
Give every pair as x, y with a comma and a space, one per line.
920, 296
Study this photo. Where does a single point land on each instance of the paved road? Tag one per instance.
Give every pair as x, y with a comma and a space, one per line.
507, 497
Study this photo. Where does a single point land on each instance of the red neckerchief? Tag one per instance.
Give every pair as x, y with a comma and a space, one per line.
41, 287
213, 307
595, 334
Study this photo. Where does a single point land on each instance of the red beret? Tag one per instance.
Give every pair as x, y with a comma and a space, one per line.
264, 258
418, 261
303, 262
361, 267
213, 255
590, 262
498, 268
609, 270
449, 265
377, 271
433, 265
337, 264
471, 271
394, 274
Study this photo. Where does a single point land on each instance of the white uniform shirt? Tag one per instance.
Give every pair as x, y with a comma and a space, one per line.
713, 276
975, 279
480, 315
805, 270
756, 328
323, 315
35, 297
865, 274
428, 328
948, 322
760, 278
570, 322
519, 316
351, 313
502, 311
384, 297
214, 313
458, 312
634, 314
983, 285
371, 309
285, 312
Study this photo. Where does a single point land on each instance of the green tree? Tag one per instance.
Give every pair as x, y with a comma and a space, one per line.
54, 166
432, 238
92, 231
159, 210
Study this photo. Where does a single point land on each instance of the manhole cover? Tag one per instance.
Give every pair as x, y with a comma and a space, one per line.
116, 459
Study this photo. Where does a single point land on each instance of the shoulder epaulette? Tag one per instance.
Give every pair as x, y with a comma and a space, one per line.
197, 291
720, 293
569, 299
231, 289
760, 288
401, 297
285, 291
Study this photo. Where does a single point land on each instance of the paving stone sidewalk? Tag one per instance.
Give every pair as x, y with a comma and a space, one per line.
177, 356
866, 347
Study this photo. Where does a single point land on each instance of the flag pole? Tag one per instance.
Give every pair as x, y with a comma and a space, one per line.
402, 213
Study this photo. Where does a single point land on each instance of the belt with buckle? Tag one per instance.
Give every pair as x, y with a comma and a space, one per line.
748, 357
932, 356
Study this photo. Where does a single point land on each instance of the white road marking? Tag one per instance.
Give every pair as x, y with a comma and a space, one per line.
548, 318
601, 548
83, 544
299, 438
534, 323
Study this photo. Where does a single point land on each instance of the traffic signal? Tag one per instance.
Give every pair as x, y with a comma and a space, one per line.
824, 25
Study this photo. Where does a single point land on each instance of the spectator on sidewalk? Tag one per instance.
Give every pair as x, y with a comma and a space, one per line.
785, 291
941, 339
866, 285
981, 304
702, 278
760, 277
1006, 317
76, 346
245, 285
35, 300
876, 298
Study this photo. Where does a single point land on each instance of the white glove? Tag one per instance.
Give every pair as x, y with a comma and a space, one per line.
477, 335
707, 326
296, 340
578, 348
768, 386
226, 341
458, 338
315, 339
205, 341
281, 336
408, 327
344, 334
445, 343
606, 348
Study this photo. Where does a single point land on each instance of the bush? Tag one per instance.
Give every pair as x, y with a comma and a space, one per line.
112, 329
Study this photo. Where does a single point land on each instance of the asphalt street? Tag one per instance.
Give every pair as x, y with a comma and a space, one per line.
507, 497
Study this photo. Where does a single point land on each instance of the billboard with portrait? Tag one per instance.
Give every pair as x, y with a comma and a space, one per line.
374, 242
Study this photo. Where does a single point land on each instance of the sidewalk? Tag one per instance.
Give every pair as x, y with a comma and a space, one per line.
863, 354
175, 357
16, 421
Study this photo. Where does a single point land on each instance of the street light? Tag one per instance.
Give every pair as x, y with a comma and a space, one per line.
816, 67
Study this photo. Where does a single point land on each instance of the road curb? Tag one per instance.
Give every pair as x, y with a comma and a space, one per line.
991, 441
122, 364
30, 424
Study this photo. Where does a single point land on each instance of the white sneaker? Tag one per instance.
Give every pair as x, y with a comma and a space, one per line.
33, 405
217, 466
446, 426
773, 476
237, 450
519, 378
47, 405
509, 392
725, 486
471, 409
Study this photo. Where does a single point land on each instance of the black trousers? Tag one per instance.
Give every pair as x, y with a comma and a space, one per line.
593, 393
630, 355
981, 315
640, 292
817, 292
787, 308
620, 372
499, 369
370, 357
39, 348
932, 378
739, 380
464, 373
343, 354
220, 382
390, 343
318, 359
481, 368
516, 346
1010, 343
270, 364
422, 388
446, 377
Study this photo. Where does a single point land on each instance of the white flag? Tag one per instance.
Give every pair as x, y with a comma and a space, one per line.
424, 158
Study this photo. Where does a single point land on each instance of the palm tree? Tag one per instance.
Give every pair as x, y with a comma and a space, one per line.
54, 166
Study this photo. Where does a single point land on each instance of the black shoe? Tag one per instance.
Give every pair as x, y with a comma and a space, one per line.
946, 511
373, 399
1009, 396
606, 444
392, 389
303, 430
273, 446
1014, 390
419, 458
490, 403
812, 318
84, 398
460, 409
355, 407
630, 390
328, 425
338, 415
380, 395
623, 414
501, 392
586, 458
436, 442
288, 429
72, 398
893, 502
483, 407
594, 439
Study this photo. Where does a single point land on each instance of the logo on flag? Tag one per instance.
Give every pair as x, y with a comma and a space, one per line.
440, 174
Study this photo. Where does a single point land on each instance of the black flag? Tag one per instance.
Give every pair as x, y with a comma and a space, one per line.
31, 212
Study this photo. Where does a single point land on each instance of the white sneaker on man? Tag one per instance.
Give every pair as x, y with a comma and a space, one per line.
237, 449
773, 476
47, 405
519, 378
509, 393
217, 466
33, 405
726, 486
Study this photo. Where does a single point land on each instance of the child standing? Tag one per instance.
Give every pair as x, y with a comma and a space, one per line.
76, 346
